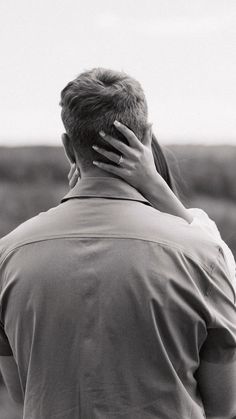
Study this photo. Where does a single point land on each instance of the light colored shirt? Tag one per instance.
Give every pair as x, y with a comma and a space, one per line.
204, 222
108, 306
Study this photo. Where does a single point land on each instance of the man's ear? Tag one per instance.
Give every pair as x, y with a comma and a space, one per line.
68, 148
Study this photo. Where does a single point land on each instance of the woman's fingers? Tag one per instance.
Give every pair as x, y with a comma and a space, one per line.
147, 139
133, 141
108, 154
73, 180
73, 176
72, 169
123, 148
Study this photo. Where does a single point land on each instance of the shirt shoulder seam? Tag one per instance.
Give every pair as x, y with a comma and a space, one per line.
8, 251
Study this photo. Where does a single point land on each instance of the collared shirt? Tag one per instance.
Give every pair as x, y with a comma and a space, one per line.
108, 305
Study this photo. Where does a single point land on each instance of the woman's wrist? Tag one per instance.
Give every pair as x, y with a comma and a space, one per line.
158, 193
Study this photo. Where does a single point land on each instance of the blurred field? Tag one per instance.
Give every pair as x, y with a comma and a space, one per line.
33, 179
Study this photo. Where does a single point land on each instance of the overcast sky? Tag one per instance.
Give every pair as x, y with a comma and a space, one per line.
182, 51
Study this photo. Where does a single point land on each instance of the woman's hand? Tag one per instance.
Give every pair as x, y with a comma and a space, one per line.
137, 167
73, 175
135, 164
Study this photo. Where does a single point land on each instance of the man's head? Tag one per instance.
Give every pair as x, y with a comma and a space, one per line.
92, 102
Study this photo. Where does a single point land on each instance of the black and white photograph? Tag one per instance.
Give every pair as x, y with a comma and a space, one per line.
118, 209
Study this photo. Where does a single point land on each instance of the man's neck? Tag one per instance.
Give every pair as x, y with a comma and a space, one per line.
96, 172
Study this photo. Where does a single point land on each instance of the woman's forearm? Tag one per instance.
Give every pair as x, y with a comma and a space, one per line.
163, 198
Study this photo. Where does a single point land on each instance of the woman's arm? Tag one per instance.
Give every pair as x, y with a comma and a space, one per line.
163, 198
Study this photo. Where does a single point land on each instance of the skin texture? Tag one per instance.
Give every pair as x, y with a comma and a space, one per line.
137, 168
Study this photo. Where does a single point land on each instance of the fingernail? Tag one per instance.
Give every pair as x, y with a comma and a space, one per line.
102, 133
95, 162
95, 147
117, 123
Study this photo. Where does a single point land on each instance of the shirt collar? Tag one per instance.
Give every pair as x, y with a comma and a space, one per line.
104, 187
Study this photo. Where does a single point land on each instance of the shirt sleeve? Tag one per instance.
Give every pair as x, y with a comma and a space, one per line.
201, 219
5, 348
220, 344
204, 222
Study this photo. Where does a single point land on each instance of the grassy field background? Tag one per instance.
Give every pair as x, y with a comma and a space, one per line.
33, 179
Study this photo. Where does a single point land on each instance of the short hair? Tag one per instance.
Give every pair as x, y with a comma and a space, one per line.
93, 101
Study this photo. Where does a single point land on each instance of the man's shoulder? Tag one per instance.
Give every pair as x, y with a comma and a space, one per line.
28, 231
129, 221
177, 234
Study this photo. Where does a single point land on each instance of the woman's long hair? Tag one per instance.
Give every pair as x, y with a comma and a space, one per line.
164, 169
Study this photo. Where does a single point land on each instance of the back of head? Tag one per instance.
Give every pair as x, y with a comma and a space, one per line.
93, 101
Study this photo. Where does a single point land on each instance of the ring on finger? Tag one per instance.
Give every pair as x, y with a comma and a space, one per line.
121, 158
